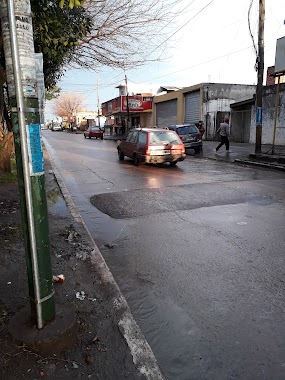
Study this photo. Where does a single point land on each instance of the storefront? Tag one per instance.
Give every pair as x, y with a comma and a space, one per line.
166, 113
192, 107
135, 108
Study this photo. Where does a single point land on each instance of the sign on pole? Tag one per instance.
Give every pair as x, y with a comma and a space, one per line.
40, 85
280, 56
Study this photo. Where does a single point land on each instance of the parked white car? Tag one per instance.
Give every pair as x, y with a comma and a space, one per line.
56, 127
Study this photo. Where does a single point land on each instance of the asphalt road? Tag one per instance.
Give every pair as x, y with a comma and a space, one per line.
197, 250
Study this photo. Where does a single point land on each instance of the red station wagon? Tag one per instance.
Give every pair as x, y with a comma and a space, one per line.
94, 132
152, 145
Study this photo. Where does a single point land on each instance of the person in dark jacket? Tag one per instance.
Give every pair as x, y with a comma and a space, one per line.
224, 131
201, 127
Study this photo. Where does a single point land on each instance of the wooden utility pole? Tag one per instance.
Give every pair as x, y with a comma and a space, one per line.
260, 71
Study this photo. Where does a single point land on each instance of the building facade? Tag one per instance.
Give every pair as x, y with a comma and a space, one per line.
243, 117
209, 102
273, 107
135, 107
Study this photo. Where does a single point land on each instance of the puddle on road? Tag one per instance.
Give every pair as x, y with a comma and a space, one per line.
261, 200
181, 350
102, 228
179, 346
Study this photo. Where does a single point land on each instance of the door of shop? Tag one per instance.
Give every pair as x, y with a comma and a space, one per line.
166, 113
192, 107
136, 121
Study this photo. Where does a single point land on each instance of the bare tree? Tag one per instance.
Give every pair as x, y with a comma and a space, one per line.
124, 32
67, 104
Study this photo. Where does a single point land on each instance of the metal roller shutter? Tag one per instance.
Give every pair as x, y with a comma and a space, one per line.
166, 113
192, 107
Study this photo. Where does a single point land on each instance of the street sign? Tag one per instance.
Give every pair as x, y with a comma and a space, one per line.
258, 115
280, 56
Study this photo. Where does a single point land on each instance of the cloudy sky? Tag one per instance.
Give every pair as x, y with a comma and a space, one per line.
210, 42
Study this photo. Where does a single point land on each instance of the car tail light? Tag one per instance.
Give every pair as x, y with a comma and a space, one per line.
183, 151
147, 153
199, 136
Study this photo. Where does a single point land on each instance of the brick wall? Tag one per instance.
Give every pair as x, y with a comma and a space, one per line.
270, 81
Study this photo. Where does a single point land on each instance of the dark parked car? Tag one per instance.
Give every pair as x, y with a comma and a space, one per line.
94, 132
190, 136
152, 145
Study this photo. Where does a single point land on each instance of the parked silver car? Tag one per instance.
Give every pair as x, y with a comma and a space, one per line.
56, 127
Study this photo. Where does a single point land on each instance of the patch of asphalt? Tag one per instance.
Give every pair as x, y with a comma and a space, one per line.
140, 350
122, 205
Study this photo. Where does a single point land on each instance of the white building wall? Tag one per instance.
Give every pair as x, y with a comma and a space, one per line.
211, 108
217, 97
269, 97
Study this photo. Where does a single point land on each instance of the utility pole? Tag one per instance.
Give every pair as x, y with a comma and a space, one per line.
128, 108
98, 98
260, 71
17, 30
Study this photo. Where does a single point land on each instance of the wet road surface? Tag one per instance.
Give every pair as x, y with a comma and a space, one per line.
197, 250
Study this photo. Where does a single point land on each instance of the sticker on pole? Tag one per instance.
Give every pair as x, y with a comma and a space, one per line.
35, 149
258, 115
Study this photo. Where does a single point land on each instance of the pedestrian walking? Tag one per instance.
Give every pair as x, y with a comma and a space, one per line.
224, 131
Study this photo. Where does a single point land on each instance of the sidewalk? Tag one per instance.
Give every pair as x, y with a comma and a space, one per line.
109, 344
237, 151
244, 154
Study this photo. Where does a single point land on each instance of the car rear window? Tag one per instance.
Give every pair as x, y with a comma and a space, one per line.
134, 136
142, 137
187, 130
129, 136
163, 137
94, 129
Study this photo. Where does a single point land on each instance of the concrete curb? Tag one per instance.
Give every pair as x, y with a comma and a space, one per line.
141, 352
260, 164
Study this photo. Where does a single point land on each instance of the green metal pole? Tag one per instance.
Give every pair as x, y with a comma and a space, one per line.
21, 77
22, 193
40, 215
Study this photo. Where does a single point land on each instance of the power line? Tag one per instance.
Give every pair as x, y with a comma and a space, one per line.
198, 64
249, 27
181, 27
90, 85
187, 6
110, 84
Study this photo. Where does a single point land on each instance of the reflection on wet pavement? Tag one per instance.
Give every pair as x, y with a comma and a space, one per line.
56, 203
189, 254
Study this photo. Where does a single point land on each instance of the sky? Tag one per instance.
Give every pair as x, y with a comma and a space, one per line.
209, 42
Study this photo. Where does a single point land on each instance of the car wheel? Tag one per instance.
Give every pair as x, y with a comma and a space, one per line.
121, 155
89, 137
173, 163
101, 137
136, 160
197, 150
84, 136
